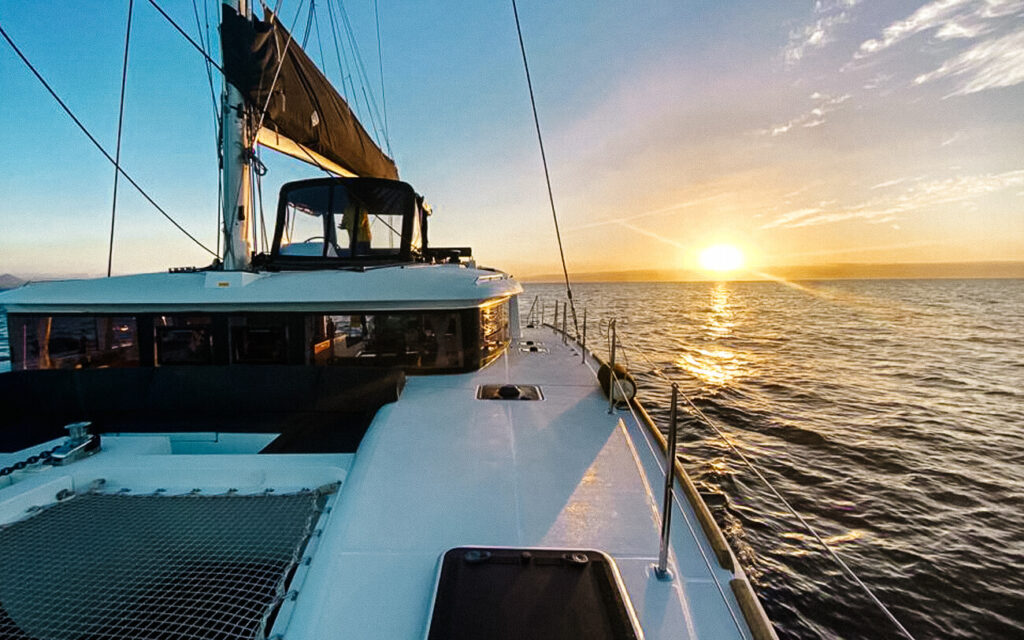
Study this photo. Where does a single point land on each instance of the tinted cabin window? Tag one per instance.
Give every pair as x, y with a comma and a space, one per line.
183, 340
416, 340
71, 342
259, 340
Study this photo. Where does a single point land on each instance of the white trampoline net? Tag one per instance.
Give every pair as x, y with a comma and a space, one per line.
106, 566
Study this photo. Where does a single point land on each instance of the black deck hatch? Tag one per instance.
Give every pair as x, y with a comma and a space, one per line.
530, 593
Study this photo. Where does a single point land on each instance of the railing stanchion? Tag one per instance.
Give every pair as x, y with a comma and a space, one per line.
565, 329
611, 370
555, 323
584, 345
670, 467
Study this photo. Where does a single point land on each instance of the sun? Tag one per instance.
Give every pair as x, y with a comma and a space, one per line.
721, 257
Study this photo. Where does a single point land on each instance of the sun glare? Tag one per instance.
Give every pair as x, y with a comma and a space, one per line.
721, 257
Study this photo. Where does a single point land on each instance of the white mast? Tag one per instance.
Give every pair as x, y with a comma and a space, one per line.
236, 142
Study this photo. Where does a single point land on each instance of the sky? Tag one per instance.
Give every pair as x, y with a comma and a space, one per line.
804, 133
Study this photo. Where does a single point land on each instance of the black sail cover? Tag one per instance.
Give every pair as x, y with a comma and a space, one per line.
303, 105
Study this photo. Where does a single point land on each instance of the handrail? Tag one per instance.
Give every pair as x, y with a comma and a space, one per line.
757, 621
762, 629
695, 410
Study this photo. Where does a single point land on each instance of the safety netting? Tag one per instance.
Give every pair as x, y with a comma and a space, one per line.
118, 566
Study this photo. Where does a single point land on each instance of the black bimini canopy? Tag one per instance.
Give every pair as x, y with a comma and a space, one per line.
305, 118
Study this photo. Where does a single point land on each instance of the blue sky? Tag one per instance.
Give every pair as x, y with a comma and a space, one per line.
803, 132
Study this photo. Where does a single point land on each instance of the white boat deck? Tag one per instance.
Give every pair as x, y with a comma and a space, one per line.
440, 469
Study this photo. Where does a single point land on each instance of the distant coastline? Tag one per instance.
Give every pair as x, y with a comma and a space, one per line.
840, 271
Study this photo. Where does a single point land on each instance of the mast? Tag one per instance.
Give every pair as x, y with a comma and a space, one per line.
236, 141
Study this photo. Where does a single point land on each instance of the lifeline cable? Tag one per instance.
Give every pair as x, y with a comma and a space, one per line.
753, 468
120, 123
547, 175
96, 143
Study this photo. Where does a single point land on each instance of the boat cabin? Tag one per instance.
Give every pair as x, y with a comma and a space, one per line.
349, 281
429, 341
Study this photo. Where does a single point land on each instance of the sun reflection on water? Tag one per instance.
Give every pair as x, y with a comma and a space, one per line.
713, 362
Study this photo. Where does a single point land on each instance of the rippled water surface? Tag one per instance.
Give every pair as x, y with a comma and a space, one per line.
889, 413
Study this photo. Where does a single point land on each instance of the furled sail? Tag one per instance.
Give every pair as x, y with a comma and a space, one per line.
305, 117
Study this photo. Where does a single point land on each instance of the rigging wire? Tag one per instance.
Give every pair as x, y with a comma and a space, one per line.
120, 123
209, 70
350, 90
96, 143
309, 23
364, 78
192, 42
380, 65
789, 507
547, 174
280, 63
319, 42
259, 192
215, 105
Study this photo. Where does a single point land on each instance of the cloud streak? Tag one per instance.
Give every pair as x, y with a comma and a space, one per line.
918, 196
675, 207
994, 63
929, 16
818, 33
813, 118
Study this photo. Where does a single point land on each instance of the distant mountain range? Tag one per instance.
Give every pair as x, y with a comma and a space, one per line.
850, 271
7, 281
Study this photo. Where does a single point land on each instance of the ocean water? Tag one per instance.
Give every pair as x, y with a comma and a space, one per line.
889, 413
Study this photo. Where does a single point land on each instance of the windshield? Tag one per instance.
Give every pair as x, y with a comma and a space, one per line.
347, 218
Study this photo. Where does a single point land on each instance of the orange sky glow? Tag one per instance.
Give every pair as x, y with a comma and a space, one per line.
801, 133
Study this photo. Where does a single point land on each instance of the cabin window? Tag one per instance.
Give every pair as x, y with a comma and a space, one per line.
183, 339
494, 333
308, 224
416, 340
73, 342
259, 340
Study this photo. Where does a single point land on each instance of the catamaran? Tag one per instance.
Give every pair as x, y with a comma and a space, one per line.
353, 434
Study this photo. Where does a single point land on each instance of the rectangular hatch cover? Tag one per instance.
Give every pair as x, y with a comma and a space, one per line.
556, 594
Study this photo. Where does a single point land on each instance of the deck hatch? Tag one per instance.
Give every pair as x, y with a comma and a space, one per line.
509, 391
530, 593
127, 566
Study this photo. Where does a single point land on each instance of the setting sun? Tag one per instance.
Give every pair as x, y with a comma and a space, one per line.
721, 257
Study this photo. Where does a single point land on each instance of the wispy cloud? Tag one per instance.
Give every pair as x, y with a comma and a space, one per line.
993, 63
921, 195
929, 16
879, 80
819, 32
994, 57
813, 118
889, 183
